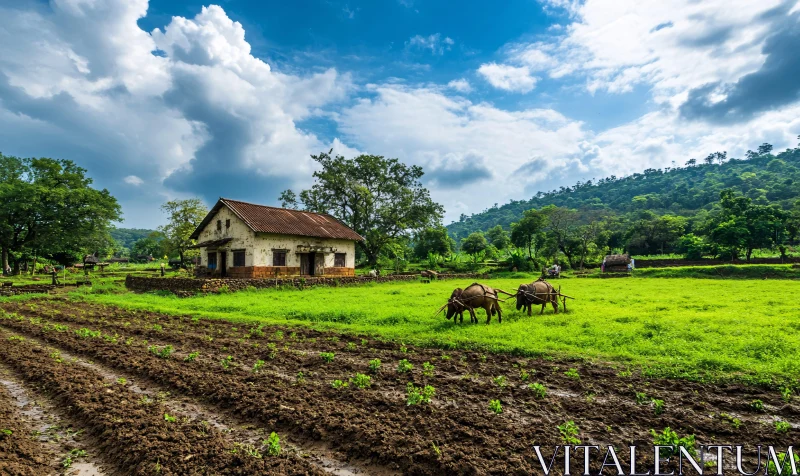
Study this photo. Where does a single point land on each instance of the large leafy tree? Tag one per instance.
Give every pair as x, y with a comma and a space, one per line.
524, 233
743, 225
50, 209
381, 199
154, 244
474, 243
498, 237
184, 217
432, 240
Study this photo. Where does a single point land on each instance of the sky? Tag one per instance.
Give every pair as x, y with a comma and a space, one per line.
172, 99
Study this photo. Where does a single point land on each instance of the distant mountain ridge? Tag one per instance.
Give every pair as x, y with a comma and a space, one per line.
683, 191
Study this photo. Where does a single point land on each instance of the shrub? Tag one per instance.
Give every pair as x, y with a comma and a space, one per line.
669, 438
783, 461
496, 406
417, 395
569, 432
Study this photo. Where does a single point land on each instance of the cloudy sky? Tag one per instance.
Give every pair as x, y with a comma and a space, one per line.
496, 100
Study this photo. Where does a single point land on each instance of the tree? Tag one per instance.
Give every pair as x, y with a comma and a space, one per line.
154, 244
381, 199
742, 225
50, 209
691, 162
525, 231
474, 243
432, 240
288, 199
184, 217
764, 149
498, 237
562, 226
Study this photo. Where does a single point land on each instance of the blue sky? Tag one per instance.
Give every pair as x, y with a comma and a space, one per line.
496, 100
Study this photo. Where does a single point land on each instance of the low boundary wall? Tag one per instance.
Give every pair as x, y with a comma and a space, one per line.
184, 286
26, 289
668, 263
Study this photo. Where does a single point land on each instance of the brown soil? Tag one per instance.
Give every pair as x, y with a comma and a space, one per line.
374, 427
19, 453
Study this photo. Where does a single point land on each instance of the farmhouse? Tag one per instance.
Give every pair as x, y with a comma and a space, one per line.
244, 240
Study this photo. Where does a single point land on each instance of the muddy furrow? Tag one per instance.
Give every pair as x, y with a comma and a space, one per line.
138, 437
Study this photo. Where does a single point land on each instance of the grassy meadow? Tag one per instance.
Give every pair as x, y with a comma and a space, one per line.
740, 329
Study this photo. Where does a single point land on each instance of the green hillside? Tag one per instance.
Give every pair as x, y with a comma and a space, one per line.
765, 177
128, 236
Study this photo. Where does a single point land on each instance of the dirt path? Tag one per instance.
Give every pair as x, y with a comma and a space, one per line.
456, 433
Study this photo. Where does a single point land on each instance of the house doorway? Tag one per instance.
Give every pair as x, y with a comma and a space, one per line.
223, 264
307, 264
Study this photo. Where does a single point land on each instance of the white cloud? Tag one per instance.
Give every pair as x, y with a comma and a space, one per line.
460, 85
509, 78
435, 43
133, 180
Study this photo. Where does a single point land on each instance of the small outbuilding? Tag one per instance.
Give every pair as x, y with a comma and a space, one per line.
617, 264
244, 240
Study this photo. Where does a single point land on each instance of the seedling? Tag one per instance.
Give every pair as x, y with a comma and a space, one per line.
163, 352
641, 398
364, 342
658, 406
122, 380
257, 366
427, 369
273, 444
496, 406
735, 422
403, 348
569, 433
327, 356
5, 433
85, 333
500, 381
273, 350
784, 462
782, 427
157, 327
572, 373
191, 357
226, 362
445, 357
17, 338
361, 380
169, 418
786, 394
524, 375
278, 335
757, 405
300, 378
56, 355
338, 384
256, 331
374, 365
404, 366
538, 390
351, 346
669, 438
417, 395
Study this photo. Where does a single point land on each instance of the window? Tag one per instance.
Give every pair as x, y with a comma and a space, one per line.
278, 258
339, 260
228, 223
212, 260
219, 225
238, 257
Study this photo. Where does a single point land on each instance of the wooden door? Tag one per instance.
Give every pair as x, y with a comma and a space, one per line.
304, 264
223, 263
319, 264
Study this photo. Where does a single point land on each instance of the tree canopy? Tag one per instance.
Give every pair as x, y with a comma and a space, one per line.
184, 217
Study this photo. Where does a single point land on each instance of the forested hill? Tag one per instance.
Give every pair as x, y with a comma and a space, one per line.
762, 176
128, 236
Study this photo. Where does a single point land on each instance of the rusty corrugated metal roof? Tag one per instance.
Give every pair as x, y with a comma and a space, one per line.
264, 219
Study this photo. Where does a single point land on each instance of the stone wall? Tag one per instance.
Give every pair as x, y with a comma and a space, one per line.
667, 263
27, 289
185, 286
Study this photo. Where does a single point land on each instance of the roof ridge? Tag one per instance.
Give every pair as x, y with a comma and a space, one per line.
274, 208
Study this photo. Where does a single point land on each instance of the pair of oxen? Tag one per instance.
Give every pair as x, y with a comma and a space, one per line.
481, 296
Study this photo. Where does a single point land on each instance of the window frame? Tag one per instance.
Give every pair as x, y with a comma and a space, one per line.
343, 257
275, 254
209, 264
243, 254
219, 225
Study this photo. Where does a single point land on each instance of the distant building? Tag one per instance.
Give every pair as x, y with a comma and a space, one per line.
244, 240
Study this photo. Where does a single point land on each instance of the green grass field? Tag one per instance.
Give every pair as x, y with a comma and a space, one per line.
746, 330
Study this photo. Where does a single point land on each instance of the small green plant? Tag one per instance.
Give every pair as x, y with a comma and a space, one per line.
670, 438
417, 395
500, 381
122, 380
496, 406
403, 348
735, 422
351, 346
338, 384
162, 352
273, 444
436, 450
445, 357
278, 335
157, 327
641, 398
273, 351
256, 331
572, 373
327, 356
129, 341
257, 366
538, 390
227, 362
784, 462
757, 405
374, 365
404, 366
427, 369
300, 378
169, 418
658, 406
569, 433
191, 357
56, 355
361, 380
524, 375
86, 333
786, 394
782, 427
5, 433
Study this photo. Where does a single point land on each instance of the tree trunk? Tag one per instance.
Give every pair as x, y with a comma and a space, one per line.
5, 259
33, 268
748, 253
